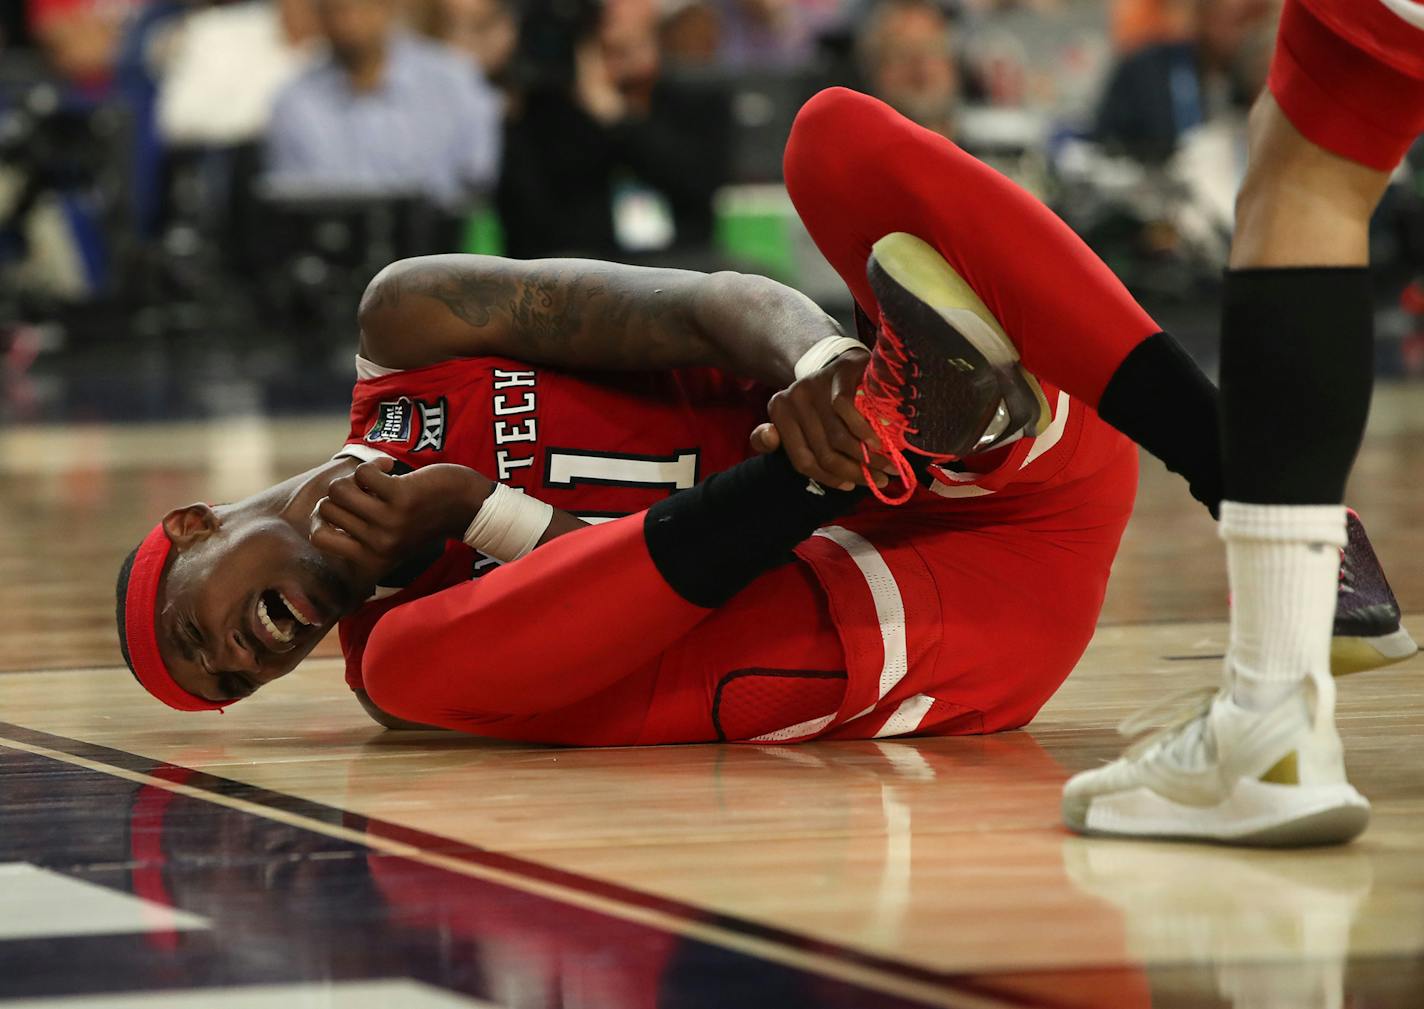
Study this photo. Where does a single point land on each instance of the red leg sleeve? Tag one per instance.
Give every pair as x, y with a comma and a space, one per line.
857, 170
556, 627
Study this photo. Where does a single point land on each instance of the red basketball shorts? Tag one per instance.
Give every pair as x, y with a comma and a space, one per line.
1349, 74
993, 608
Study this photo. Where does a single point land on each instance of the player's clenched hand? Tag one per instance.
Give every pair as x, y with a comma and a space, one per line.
816, 422
375, 520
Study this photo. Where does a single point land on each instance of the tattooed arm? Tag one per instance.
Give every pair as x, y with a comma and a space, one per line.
586, 314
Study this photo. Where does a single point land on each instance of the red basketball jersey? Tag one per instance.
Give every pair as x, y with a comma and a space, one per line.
597, 445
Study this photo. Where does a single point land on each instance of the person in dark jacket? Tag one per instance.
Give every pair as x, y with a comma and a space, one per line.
611, 129
1161, 91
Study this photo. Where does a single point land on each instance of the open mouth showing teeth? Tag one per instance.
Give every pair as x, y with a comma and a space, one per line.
279, 617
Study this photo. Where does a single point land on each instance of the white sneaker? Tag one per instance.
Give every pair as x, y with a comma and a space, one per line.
1226, 774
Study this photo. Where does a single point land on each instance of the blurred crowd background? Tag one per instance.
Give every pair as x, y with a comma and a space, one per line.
194, 193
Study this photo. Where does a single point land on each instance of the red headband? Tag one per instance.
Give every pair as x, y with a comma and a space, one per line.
141, 627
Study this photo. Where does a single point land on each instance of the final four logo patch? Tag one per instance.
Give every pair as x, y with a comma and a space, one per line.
392, 421
396, 423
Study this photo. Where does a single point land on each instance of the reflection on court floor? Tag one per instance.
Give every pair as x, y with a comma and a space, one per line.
290, 853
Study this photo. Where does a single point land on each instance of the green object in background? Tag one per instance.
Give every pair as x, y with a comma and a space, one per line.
484, 235
752, 226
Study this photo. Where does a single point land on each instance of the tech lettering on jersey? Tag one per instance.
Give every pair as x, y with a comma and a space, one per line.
516, 398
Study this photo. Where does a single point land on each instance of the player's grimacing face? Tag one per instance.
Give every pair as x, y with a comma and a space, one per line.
243, 605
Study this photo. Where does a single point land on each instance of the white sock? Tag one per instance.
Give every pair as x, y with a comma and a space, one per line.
1284, 565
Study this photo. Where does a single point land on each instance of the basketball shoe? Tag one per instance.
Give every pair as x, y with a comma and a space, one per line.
1224, 773
1368, 632
938, 342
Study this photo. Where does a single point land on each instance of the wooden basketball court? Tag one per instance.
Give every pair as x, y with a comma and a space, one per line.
291, 853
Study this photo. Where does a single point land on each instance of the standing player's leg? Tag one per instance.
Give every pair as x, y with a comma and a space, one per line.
1297, 331
1262, 764
1297, 371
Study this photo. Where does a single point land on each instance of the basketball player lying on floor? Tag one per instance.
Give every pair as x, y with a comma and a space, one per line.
775, 600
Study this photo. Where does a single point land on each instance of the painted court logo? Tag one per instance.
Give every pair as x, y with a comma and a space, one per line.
399, 420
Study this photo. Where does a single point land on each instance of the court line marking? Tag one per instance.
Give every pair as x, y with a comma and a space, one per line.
42, 904
846, 970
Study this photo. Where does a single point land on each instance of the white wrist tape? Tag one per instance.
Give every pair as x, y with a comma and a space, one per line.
824, 352
508, 524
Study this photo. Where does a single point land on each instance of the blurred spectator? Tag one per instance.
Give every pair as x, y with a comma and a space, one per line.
769, 34
691, 34
226, 67
385, 112
609, 155
1158, 93
1210, 161
141, 63
488, 30
999, 6
86, 194
80, 39
1137, 23
14, 29
1047, 59
906, 54
424, 17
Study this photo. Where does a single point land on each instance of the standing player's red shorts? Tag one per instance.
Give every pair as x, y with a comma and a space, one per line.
1349, 74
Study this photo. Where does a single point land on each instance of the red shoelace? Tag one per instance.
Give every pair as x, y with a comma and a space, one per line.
879, 400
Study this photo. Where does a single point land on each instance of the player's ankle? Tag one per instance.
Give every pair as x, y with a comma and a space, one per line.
1255, 693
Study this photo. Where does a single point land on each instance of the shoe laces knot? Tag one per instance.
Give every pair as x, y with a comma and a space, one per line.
881, 400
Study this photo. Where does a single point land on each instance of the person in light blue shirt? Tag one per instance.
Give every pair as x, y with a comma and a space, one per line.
384, 112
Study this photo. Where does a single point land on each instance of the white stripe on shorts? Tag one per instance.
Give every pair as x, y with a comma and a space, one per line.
885, 593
